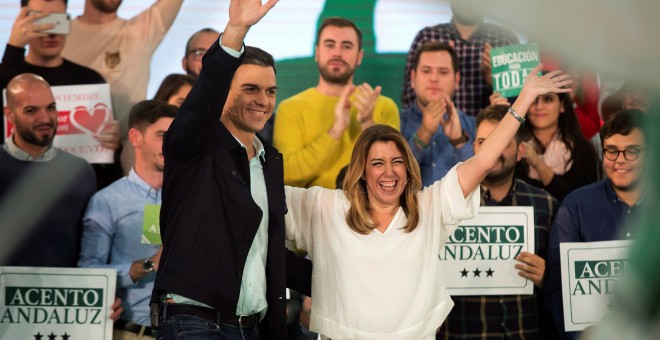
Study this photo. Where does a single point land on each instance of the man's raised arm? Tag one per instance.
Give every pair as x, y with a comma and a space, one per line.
189, 136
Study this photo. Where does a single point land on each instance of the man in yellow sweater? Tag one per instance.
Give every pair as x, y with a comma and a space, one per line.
316, 129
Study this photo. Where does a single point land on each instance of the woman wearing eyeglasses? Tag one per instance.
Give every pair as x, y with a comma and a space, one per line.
556, 156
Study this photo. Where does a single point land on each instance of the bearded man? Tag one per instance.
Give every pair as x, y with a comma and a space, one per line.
316, 129
43, 190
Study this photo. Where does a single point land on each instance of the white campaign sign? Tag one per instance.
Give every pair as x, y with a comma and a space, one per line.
56, 303
83, 111
478, 258
589, 274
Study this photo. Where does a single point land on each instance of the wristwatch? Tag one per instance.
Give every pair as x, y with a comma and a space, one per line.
462, 139
148, 265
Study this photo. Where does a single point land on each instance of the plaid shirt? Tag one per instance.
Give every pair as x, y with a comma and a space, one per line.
473, 91
510, 316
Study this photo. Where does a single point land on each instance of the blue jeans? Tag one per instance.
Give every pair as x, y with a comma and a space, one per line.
175, 327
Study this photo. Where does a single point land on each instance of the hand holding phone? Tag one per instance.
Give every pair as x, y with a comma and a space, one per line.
61, 23
25, 27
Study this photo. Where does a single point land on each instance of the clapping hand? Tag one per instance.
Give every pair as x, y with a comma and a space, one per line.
365, 102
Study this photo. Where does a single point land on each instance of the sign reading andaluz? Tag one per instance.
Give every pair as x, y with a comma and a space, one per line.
479, 257
82, 112
56, 303
590, 272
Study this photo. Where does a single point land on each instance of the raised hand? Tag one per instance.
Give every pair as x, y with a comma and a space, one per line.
242, 15
365, 101
24, 28
245, 13
551, 82
342, 113
532, 267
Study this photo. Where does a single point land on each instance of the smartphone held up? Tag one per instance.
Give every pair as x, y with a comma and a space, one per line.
61, 22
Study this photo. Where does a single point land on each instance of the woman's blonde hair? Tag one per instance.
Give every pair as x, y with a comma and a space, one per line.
355, 186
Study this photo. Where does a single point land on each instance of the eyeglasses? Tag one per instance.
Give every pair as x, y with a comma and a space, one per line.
630, 154
197, 53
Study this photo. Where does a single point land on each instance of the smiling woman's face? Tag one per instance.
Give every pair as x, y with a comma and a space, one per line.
385, 174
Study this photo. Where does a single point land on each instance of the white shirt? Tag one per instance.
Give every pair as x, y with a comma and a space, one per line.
381, 285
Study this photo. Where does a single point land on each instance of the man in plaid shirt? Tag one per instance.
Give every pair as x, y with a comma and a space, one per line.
510, 316
472, 39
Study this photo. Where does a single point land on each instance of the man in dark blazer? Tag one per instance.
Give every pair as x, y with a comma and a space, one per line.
224, 267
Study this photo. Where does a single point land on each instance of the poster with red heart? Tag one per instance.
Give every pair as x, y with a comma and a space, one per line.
83, 111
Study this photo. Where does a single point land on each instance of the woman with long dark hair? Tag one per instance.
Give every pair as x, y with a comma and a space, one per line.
556, 156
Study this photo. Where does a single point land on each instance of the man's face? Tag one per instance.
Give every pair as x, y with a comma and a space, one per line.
149, 144
625, 174
506, 163
34, 115
337, 54
50, 46
251, 98
106, 6
434, 76
192, 61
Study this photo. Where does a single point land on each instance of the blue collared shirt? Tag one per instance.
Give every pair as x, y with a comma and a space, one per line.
112, 232
440, 156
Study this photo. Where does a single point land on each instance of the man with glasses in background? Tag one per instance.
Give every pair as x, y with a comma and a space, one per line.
196, 47
596, 212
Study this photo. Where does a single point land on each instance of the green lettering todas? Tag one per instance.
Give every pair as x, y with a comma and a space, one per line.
53, 297
509, 79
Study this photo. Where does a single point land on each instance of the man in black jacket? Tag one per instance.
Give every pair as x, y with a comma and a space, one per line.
224, 266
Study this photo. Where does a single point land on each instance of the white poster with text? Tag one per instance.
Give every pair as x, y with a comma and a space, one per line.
479, 257
590, 272
83, 112
56, 303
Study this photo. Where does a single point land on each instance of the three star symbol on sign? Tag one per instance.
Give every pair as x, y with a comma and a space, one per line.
477, 272
51, 336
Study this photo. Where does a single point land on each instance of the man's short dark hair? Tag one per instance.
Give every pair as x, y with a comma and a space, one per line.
495, 114
25, 2
147, 112
192, 37
435, 46
256, 56
339, 22
621, 123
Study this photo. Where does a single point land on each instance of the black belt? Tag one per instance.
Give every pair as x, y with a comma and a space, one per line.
134, 328
242, 321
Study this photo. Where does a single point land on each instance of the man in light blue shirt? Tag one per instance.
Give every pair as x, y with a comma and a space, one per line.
113, 223
437, 132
